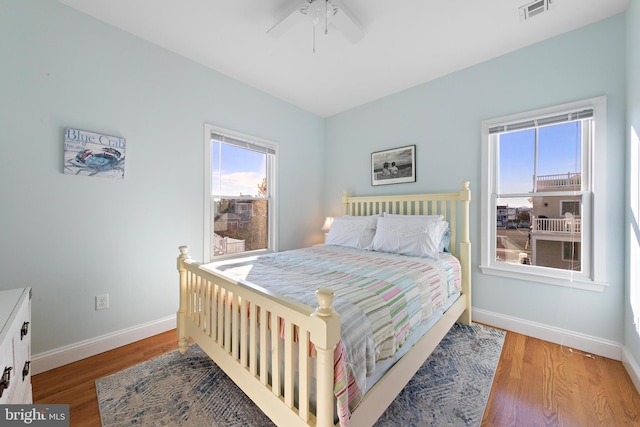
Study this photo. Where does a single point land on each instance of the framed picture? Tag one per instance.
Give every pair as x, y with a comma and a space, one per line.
93, 154
393, 166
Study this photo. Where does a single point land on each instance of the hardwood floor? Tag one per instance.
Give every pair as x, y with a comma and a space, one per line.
74, 384
536, 384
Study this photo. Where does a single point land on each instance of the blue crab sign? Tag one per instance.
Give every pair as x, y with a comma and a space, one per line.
93, 154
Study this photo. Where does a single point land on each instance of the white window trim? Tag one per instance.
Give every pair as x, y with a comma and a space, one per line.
272, 188
595, 278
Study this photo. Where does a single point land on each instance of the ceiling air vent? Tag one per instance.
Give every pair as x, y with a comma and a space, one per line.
535, 8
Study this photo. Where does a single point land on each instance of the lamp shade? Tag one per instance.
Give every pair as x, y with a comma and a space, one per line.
327, 224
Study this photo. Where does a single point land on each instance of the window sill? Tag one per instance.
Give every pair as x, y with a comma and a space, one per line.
568, 282
240, 255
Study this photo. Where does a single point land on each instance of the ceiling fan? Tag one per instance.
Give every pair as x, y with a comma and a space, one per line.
320, 12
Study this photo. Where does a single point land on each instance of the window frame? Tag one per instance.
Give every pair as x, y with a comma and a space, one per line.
272, 191
593, 257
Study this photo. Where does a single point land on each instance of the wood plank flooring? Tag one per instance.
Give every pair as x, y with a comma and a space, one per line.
536, 384
74, 384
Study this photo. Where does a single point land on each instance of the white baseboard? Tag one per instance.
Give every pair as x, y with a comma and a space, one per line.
575, 340
632, 368
48, 360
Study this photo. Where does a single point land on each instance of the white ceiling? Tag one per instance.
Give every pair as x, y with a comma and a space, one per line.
406, 42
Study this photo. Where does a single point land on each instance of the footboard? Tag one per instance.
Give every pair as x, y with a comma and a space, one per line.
230, 320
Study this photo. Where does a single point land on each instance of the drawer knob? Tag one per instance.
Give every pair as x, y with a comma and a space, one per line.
4, 381
25, 370
24, 330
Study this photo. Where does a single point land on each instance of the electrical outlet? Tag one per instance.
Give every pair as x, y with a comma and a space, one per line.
102, 302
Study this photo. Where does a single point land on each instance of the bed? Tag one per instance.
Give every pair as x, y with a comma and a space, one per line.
302, 375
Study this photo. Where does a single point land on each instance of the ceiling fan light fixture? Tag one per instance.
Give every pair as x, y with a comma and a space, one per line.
319, 11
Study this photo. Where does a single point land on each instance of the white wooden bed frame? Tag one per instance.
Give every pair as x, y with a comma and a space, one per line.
231, 336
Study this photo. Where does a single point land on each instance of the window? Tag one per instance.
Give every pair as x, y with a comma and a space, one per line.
541, 204
240, 203
571, 251
570, 206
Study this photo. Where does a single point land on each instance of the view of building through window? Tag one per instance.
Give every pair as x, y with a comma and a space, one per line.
240, 198
540, 199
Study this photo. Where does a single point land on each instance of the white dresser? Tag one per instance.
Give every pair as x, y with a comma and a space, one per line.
15, 346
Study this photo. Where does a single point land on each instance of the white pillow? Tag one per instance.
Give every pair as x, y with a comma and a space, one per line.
352, 231
416, 237
443, 246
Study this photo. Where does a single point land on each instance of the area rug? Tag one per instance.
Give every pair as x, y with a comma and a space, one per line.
450, 389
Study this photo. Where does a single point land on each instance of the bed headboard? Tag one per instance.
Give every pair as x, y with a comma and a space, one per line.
453, 206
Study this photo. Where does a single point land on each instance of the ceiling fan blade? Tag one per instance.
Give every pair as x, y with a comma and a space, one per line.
346, 23
289, 19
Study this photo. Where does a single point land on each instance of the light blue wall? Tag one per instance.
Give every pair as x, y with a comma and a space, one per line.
443, 118
71, 238
632, 296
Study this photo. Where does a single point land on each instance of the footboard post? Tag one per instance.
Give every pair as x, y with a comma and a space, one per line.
465, 252
182, 312
325, 334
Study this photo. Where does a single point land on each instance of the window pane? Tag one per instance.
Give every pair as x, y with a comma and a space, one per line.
571, 252
559, 150
512, 230
516, 162
239, 225
239, 199
237, 171
540, 230
545, 231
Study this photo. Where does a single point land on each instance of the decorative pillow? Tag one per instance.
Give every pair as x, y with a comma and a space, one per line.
419, 238
352, 231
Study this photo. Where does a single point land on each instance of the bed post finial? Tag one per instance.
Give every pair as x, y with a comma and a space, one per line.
325, 302
184, 254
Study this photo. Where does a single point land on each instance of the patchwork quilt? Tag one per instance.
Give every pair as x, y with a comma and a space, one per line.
380, 297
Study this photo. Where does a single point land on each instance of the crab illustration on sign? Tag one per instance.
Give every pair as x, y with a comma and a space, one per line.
93, 154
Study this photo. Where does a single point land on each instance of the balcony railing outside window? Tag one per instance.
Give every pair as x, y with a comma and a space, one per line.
558, 181
557, 225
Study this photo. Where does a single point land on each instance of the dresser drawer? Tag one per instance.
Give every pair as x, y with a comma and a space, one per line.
15, 347
6, 362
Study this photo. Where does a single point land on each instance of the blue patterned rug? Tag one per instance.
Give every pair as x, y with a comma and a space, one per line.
450, 389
